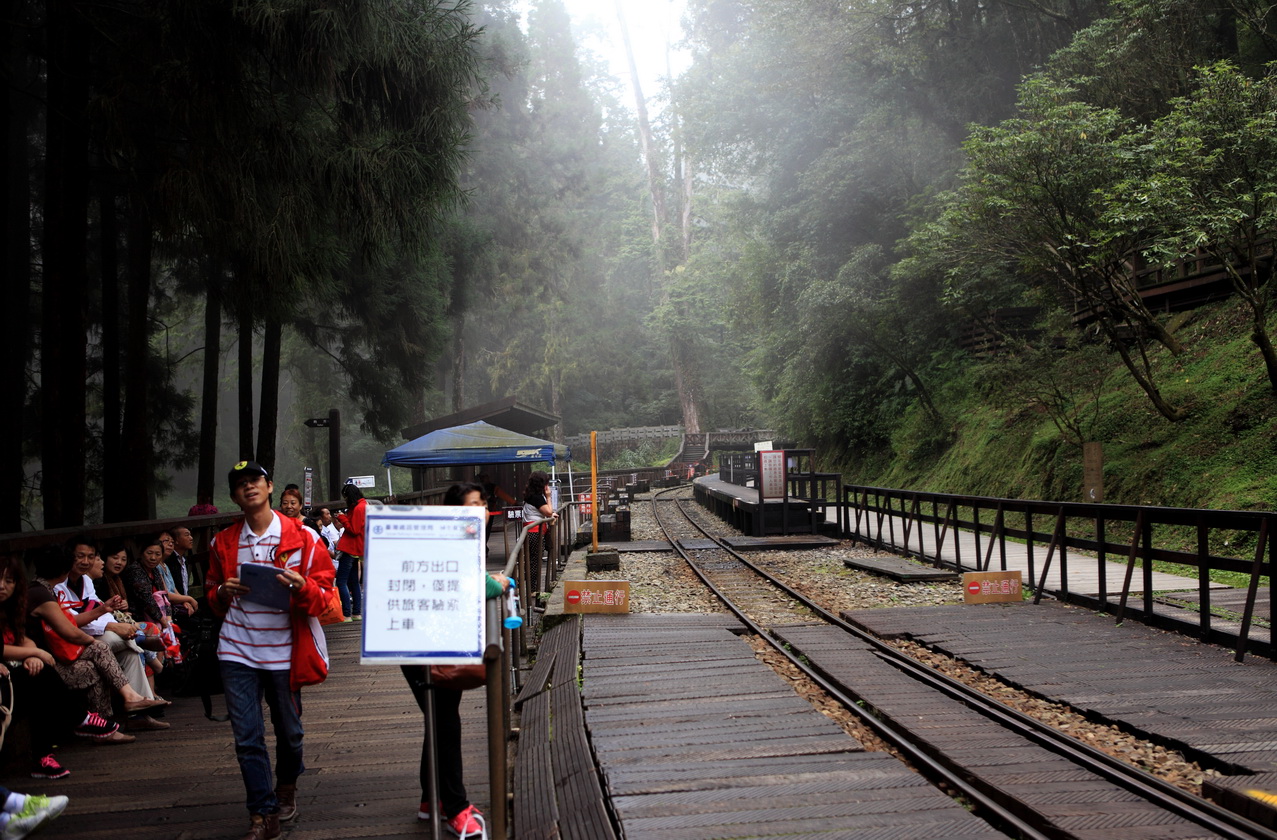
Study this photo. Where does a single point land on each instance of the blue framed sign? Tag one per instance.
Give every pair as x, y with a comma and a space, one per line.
423, 585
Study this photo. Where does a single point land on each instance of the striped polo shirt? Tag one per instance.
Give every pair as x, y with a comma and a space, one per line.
252, 634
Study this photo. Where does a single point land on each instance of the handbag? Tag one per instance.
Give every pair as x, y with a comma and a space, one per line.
332, 613
459, 677
62, 649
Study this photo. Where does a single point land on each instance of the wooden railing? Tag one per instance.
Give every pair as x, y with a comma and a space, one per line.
1132, 534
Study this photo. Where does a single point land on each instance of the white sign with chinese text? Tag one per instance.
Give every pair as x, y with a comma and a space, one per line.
771, 474
363, 482
423, 585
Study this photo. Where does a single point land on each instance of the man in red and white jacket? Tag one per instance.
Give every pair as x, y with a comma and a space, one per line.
271, 643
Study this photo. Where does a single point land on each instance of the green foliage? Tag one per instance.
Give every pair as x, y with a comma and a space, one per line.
1222, 456
648, 453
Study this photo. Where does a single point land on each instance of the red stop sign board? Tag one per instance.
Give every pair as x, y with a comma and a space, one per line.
574, 596
974, 587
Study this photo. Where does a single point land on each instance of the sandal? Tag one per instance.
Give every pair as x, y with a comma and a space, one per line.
142, 705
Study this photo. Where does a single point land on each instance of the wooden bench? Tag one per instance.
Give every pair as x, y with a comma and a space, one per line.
557, 792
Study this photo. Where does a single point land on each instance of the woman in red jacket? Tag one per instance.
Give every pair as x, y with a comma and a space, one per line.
350, 551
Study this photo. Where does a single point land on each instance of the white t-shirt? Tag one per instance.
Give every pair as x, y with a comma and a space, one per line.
252, 634
331, 533
67, 598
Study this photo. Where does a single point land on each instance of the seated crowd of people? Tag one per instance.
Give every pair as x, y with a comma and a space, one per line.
86, 635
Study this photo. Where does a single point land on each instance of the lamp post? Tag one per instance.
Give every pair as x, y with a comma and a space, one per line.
333, 424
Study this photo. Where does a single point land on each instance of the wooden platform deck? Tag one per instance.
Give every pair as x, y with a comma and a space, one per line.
697, 739
1156, 682
898, 568
363, 749
741, 507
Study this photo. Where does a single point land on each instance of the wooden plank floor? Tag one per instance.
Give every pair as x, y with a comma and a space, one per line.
1233, 600
899, 568
1157, 682
697, 739
363, 748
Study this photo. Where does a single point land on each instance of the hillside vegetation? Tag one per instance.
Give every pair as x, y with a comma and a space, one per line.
999, 440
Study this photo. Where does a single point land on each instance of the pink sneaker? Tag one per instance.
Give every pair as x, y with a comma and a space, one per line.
468, 824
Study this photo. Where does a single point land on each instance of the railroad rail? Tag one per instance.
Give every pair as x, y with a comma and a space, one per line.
1113, 794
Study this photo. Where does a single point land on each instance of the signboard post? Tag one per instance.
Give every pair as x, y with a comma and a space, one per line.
1093, 472
423, 586
308, 487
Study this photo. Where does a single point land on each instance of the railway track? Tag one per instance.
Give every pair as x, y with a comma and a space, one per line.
1024, 776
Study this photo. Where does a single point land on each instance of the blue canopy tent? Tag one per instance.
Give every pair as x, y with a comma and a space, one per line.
476, 443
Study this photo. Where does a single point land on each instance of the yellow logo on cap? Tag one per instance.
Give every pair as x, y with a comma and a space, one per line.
241, 465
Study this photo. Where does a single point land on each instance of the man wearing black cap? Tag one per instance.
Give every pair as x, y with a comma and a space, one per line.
271, 643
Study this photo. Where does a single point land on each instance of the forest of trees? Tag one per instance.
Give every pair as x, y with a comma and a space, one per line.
393, 208
223, 218
874, 179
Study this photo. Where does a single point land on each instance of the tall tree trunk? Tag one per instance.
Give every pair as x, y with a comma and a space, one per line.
245, 387
137, 493
687, 387
646, 143
556, 402
64, 316
685, 376
682, 170
205, 477
459, 363
113, 473
15, 263
268, 416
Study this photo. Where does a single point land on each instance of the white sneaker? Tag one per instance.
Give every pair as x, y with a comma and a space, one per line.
37, 811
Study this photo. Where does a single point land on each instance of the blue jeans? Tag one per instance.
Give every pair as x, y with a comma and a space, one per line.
352, 597
245, 687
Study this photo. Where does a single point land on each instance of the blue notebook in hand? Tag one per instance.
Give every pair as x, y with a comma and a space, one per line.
265, 588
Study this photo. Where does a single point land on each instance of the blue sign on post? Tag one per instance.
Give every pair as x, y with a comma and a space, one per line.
423, 585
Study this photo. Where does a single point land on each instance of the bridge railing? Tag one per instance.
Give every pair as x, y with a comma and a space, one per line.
1132, 534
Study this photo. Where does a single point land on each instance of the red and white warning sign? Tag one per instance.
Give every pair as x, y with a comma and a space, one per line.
992, 587
596, 596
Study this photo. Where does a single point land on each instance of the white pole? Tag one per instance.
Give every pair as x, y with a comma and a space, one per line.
389, 484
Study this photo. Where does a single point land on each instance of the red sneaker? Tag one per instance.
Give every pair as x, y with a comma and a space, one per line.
49, 768
97, 727
467, 824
